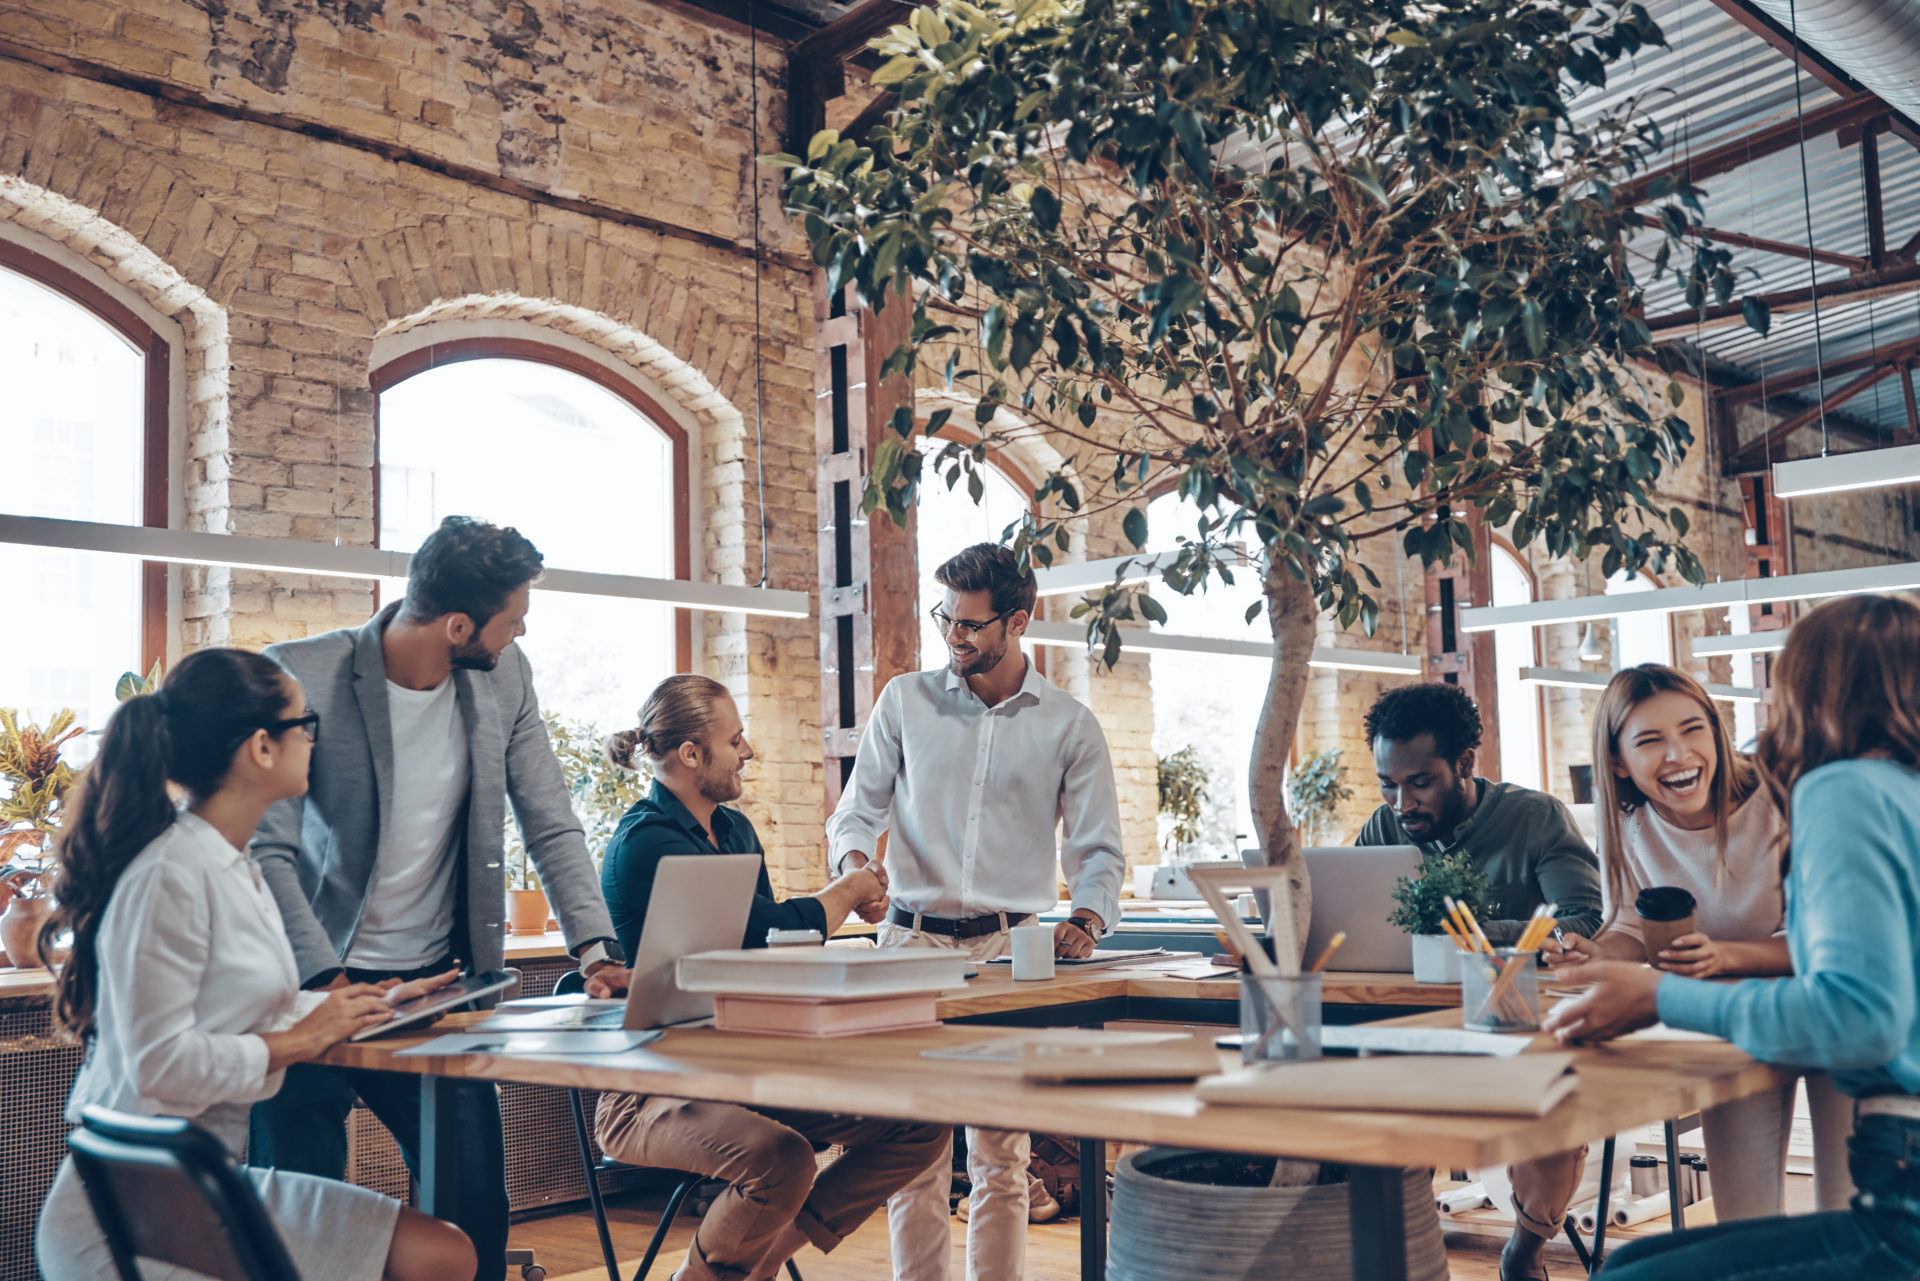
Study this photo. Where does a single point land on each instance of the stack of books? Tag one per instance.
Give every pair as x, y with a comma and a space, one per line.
813, 991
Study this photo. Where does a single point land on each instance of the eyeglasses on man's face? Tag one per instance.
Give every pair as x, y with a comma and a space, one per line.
968, 627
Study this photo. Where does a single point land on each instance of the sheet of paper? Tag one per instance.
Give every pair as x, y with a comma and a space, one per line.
1010, 1047
562, 1044
1422, 1040
1661, 1032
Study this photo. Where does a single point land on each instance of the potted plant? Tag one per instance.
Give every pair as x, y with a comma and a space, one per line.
1183, 798
1316, 789
30, 818
601, 793
1420, 907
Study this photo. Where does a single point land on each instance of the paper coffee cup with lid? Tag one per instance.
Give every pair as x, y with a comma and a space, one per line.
1666, 913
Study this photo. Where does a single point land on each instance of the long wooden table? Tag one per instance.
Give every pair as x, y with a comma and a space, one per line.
885, 1075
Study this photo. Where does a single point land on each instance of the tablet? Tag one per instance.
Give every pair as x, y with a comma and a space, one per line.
465, 989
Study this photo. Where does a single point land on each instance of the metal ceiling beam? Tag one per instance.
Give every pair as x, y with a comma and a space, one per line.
814, 71
1769, 387
1897, 279
1754, 453
1759, 144
1740, 240
1817, 64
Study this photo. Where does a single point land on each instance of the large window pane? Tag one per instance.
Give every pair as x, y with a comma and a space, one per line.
577, 469
1513, 649
73, 437
948, 522
1639, 638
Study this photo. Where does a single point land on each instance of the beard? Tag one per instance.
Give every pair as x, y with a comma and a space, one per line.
720, 785
984, 660
472, 656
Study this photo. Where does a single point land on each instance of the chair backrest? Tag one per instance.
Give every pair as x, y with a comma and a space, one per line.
165, 1189
571, 982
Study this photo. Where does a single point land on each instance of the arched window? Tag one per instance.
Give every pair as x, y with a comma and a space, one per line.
577, 459
1639, 638
1522, 729
84, 437
947, 521
1209, 702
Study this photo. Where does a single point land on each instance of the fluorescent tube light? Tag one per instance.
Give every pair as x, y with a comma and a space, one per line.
1837, 473
1146, 640
1673, 600
1746, 643
1565, 679
241, 551
1089, 575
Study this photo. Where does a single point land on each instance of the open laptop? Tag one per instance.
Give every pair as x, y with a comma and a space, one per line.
699, 904
1353, 891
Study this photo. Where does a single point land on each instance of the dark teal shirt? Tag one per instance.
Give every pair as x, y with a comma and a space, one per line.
657, 826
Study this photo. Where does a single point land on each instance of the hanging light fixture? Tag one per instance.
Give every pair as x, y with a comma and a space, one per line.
1590, 651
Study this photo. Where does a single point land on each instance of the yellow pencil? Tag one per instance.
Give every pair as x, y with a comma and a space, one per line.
1326, 953
1478, 933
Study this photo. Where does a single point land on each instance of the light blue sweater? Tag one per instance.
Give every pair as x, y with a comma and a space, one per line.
1853, 929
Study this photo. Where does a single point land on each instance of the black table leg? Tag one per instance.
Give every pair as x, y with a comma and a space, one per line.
1376, 1205
1675, 1210
1600, 1211
1093, 1209
439, 1148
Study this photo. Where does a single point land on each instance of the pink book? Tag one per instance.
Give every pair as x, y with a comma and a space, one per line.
820, 1016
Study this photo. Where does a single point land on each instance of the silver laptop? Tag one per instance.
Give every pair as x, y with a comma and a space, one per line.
1353, 891
700, 903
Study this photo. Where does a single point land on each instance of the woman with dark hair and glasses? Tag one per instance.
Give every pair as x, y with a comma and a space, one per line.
1842, 762
182, 984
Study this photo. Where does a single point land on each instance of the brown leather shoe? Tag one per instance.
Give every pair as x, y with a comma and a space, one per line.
1520, 1259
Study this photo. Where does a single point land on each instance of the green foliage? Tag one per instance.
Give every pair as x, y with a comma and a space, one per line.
1181, 215
1183, 796
1316, 789
601, 793
1420, 902
31, 811
133, 684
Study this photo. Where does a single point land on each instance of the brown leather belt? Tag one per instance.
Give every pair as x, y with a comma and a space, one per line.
964, 928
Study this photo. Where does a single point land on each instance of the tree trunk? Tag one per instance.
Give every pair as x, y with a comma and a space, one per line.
1293, 612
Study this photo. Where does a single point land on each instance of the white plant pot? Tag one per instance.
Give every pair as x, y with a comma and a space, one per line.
1435, 959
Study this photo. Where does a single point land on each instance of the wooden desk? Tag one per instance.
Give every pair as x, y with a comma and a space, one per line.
884, 1075
1091, 997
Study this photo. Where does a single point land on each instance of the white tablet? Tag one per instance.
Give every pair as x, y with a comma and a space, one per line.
463, 990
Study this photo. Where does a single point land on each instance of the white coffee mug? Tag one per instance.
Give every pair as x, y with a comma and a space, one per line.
1032, 951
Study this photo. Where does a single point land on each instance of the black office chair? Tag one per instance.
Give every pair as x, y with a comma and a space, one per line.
165, 1189
576, 982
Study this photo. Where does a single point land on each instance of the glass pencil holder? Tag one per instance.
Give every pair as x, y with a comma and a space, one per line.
1500, 993
1279, 1018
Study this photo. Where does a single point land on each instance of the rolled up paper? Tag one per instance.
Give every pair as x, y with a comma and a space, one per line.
1472, 1196
1647, 1207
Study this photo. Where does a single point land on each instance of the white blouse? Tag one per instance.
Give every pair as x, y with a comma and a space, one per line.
193, 965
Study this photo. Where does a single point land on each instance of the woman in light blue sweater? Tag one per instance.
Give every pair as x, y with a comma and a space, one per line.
1843, 759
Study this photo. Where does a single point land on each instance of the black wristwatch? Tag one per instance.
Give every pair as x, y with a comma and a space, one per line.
1085, 925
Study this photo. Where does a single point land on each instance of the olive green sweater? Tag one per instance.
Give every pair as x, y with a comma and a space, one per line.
1526, 845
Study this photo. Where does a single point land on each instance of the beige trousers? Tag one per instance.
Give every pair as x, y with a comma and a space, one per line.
766, 1158
918, 1218
1746, 1159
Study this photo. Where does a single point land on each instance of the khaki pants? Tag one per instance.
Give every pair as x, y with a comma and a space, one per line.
766, 1158
1746, 1158
918, 1218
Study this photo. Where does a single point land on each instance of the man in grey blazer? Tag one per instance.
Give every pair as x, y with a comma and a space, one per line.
390, 865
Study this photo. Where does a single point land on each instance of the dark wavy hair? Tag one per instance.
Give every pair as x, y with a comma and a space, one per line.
468, 567
991, 568
186, 734
1435, 708
1847, 685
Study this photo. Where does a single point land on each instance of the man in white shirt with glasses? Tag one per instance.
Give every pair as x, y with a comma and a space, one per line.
972, 768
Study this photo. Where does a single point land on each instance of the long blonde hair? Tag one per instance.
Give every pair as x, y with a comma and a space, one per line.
680, 710
1735, 776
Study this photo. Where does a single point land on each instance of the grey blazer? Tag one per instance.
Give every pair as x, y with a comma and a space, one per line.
317, 852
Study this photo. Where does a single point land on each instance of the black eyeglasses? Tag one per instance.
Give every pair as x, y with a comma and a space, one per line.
309, 722
946, 622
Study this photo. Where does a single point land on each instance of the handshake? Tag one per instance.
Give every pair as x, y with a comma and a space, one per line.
864, 889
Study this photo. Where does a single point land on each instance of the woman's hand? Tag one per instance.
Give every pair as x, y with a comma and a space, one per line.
345, 1011
398, 992
1696, 956
1623, 998
1568, 949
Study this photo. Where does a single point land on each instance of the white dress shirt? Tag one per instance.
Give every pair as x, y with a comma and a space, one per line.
972, 796
193, 964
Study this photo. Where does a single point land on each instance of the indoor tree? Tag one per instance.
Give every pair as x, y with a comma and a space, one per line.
1341, 272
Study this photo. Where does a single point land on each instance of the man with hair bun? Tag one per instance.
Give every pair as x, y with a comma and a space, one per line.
989, 783
390, 867
691, 735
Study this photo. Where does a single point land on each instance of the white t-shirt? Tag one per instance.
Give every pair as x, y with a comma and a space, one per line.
408, 917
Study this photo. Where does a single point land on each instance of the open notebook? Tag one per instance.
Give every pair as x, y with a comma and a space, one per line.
1524, 1085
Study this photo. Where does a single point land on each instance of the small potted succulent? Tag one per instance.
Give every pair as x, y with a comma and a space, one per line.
1420, 908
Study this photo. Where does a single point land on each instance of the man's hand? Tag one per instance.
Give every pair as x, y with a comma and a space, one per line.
1624, 998
868, 883
1570, 949
1694, 955
397, 991
873, 912
607, 979
1074, 937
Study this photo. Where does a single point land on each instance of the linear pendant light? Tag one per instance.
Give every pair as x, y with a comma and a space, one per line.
1565, 679
1144, 640
1838, 473
1722, 595
242, 551
1746, 643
